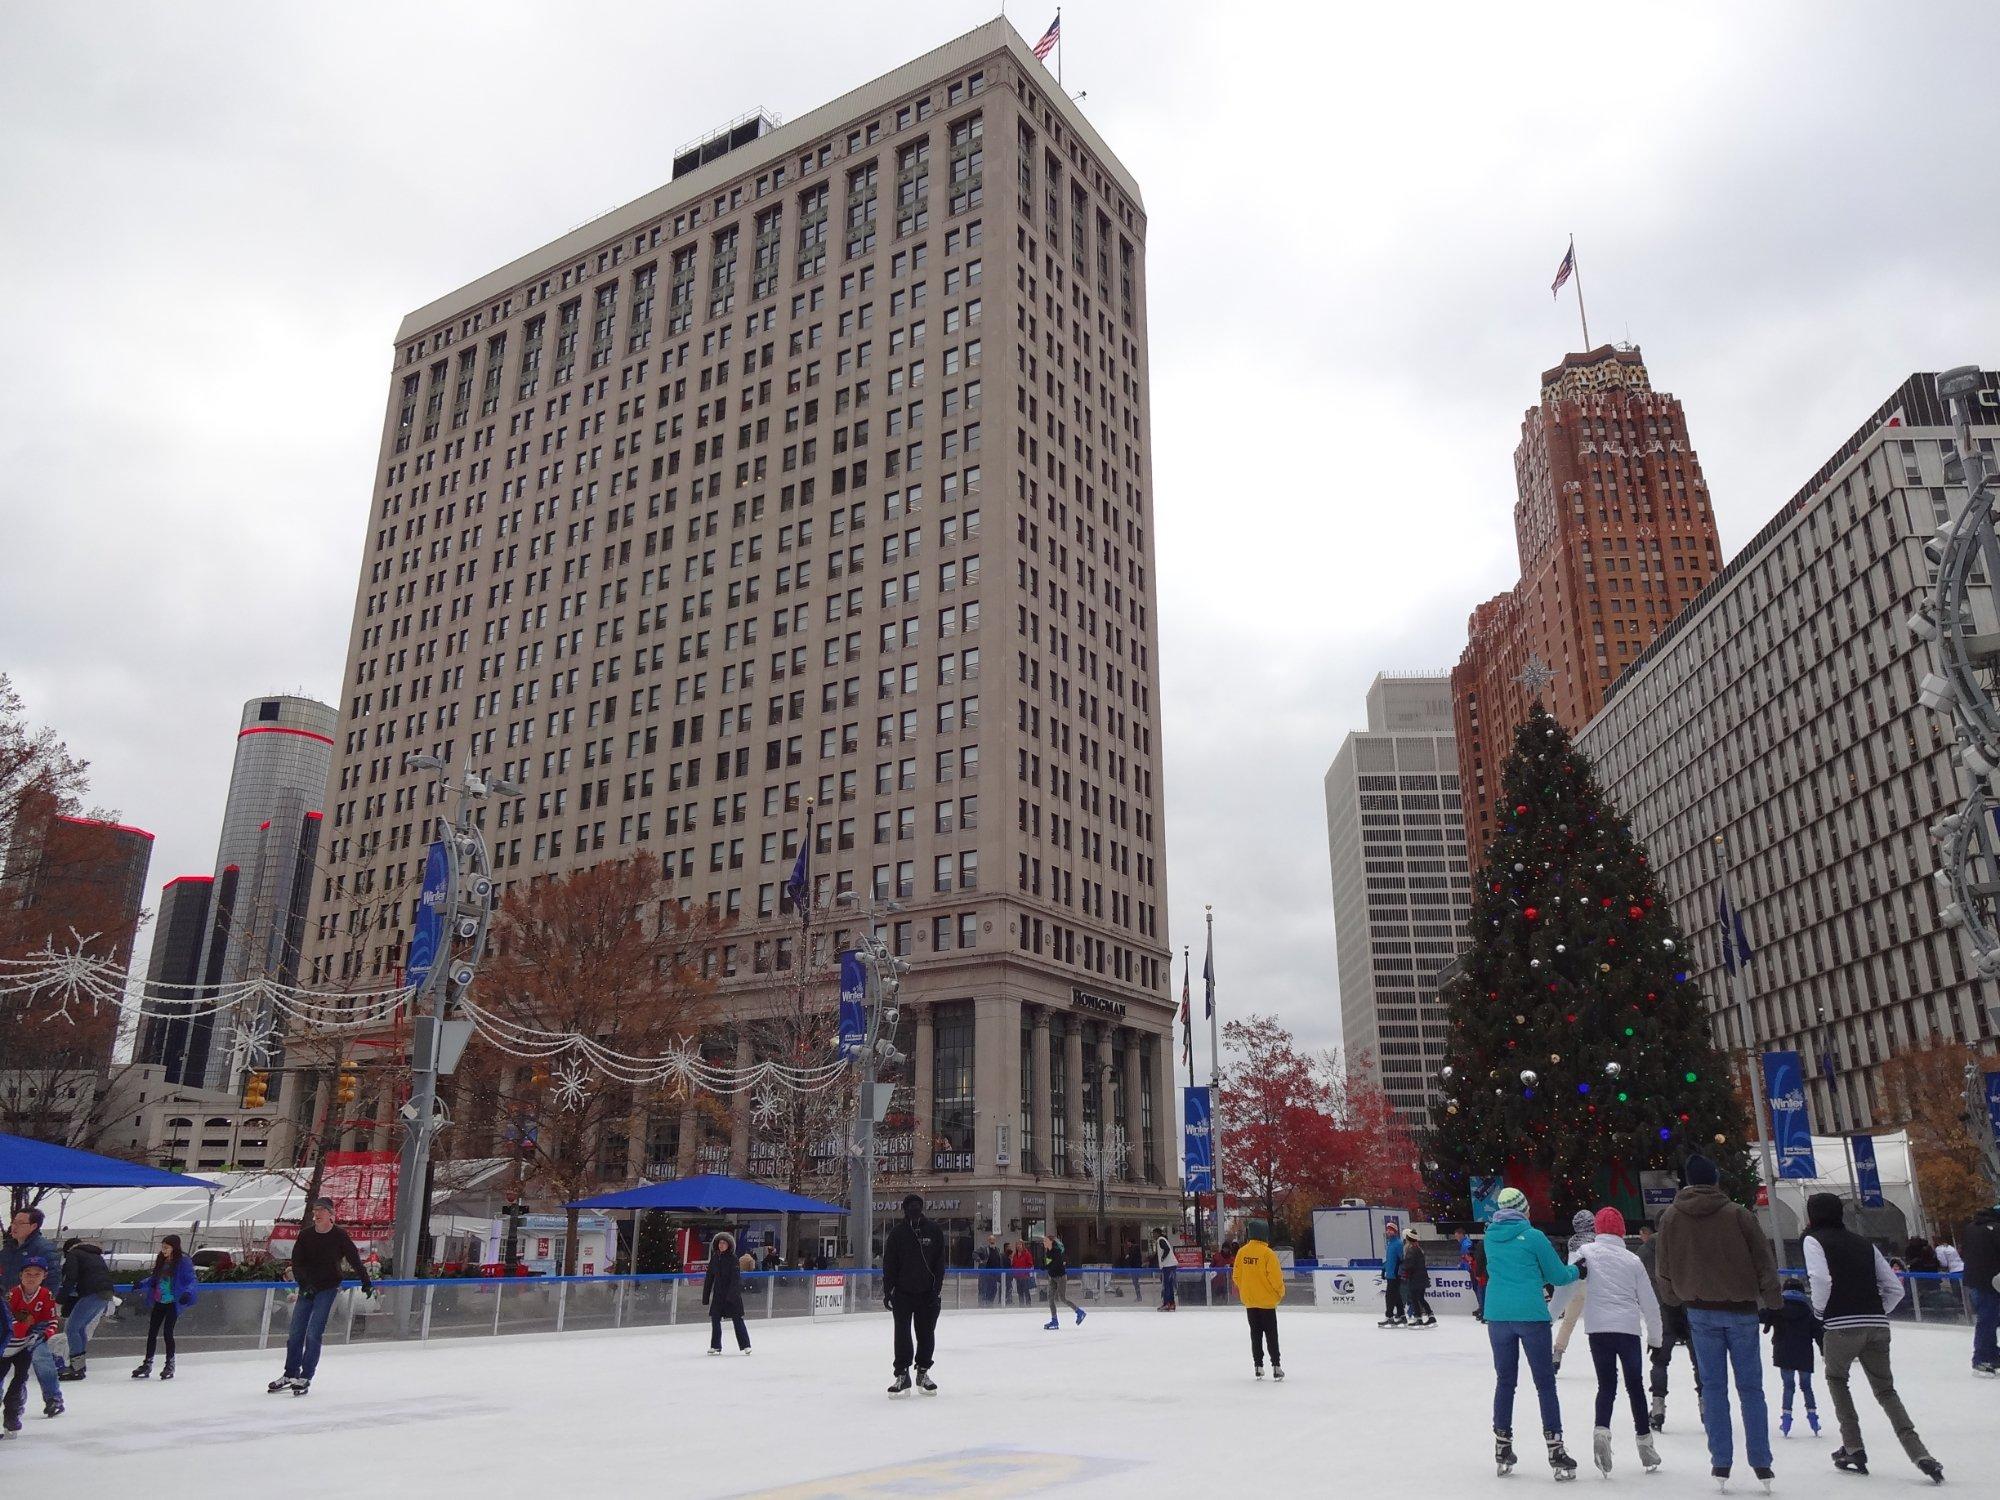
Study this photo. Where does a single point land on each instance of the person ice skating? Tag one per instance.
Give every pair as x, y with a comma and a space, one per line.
1714, 1261
991, 1265
1055, 1261
1170, 1266
321, 1249
1674, 1324
1392, 1278
1853, 1292
1979, 1244
1260, 1287
722, 1293
1582, 1231
1949, 1260
1472, 1261
1794, 1333
1619, 1306
913, 1286
1416, 1283
168, 1290
84, 1297
31, 1322
25, 1241
1520, 1261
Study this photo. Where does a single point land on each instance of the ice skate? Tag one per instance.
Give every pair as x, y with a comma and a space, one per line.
145, 1370
1658, 1415
1079, 1317
1851, 1462
1559, 1459
1649, 1453
1053, 1323
1277, 1370
900, 1386
925, 1383
167, 1369
1392, 1323
1785, 1424
1720, 1474
75, 1369
1812, 1421
12, 1424
281, 1384
1258, 1371
53, 1407
1932, 1469
1985, 1367
1765, 1474
1600, 1449
1503, 1450
301, 1386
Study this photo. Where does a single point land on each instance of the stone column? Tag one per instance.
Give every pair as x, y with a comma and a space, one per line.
1135, 1141
687, 1148
1073, 1099
996, 1083
739, 1117
1166, 1111
922, 1082
1038, 1101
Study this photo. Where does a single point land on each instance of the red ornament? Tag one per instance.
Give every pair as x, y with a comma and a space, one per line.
1605, 902
1521, 811
1531, 913
1634, 912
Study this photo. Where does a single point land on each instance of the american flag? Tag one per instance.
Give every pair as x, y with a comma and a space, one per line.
1564, 271
1049, 39
1187, 1016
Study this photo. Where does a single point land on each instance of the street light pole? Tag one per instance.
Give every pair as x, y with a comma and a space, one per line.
1737, 973
881, 980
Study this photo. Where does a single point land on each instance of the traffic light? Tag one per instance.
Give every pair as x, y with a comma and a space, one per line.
256, 1090
539, 1077
350, 1082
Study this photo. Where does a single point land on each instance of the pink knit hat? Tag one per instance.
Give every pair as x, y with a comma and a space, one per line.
1610, 1221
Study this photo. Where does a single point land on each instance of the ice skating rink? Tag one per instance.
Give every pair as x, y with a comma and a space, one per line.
1133, 1403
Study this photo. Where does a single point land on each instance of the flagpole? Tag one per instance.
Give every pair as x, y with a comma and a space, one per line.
1735, 966
1187, 1049
1214, 1079
1059, 47
1576, 275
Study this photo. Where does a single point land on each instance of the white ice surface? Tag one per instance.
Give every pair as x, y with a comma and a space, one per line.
1132, 1403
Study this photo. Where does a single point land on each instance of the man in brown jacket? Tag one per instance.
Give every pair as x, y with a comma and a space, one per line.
1713, 1260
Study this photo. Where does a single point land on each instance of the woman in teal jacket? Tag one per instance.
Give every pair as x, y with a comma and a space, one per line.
1519, 1263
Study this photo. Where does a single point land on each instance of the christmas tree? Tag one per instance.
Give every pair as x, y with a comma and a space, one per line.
1579, 1053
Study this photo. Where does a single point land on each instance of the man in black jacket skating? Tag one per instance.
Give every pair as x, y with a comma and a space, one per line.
913, 1289
318, 1254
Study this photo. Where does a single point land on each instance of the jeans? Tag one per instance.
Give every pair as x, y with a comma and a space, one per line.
1985, 1326
919, 1319
1168, 1294
1510, 1341
1869, 1346
988, 1286
1803, 1380
47, 1375
1726, 1341
1417, 1300
1263, 1330
1611, 1352
715, 1329
83, 1318
309, 1315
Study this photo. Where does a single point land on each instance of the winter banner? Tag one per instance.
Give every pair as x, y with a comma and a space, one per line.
1791, 1133
1199, 1158
1993, 1102
853, 1017
427, 931
1867, 1175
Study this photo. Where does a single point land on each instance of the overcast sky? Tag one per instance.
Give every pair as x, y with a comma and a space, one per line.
215, 215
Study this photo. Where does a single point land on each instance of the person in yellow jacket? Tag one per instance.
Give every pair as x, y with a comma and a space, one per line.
1260, 1286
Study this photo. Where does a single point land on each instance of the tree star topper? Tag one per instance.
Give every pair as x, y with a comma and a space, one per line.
1537, 675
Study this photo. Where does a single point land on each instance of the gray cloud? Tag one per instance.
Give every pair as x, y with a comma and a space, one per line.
217, 215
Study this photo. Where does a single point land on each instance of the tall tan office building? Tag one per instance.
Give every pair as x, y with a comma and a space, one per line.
821, 472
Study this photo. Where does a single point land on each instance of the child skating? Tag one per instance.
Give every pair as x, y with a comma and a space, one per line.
1794, 1337
1618, 1306
31, 1322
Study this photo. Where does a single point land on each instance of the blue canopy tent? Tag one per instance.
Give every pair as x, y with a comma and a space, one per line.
28, 1163
710, 1193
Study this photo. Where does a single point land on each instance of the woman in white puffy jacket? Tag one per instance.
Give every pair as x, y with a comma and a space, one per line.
1618, 1307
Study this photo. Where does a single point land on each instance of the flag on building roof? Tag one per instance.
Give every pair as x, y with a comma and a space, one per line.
1566, 270
1735, 941
1049, 39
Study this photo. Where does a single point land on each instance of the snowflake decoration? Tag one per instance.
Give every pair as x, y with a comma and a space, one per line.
766, 1107
571, 1086
71, 976
1537, 675
252, 1042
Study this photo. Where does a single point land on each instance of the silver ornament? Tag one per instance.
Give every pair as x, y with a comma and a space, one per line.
1668, 944
1613, 1069
1529, 1078
1449, 1072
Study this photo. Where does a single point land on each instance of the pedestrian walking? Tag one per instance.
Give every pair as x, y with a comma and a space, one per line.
1853, 1292
1392, 1278
85, 1296
1979, 1245
1674, 1326
1582, 1230
1520, 1261
722, 1292
31, 1321
168, 1290
913, 1286
24, 1241
1794, 1336
1619, 1308
1416, 1283
1170, 1267
318, 1254
1714, 1261
1055, 1261
1260, 1287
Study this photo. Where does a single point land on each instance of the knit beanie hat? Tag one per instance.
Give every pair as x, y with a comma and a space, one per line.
1512, 1197
1582, 1221
1610, 1221
1701, 1172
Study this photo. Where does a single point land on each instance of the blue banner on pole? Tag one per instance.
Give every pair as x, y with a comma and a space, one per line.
427, 929
1993, 1102
1486, 1197
1791, 1132
1199, 1152
1867, 1175
853, 1008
